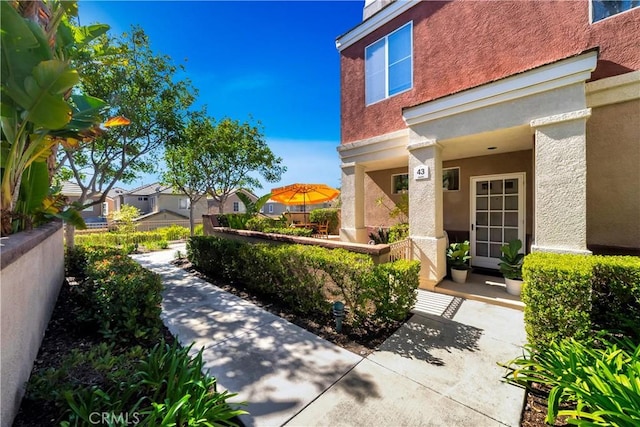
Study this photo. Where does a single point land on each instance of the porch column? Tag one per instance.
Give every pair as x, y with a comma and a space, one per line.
352, 227
561, 183
425, 209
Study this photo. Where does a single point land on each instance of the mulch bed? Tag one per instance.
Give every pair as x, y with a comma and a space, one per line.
63, 335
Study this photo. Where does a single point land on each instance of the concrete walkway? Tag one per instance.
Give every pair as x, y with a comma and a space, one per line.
438, 369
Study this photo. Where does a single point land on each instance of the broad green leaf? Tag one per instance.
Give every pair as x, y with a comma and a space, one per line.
55, 76
84, 35
4, 153
43, 94
34, 187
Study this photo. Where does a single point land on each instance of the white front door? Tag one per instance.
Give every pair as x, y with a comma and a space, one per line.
497, 216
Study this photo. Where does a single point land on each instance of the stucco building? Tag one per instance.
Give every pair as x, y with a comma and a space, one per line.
500, 120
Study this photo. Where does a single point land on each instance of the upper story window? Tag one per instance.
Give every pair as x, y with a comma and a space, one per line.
185, 203
601, 9
236, 206
389, 65
270, 208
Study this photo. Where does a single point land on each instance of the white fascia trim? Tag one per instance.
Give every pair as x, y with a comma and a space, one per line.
376, 144
390, 12
546, 78
613, 90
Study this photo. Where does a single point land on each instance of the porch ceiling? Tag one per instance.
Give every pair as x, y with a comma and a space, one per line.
504, 140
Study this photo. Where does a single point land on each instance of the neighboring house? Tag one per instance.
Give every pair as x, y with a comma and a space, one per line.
113, 200
155, 197
499, 120
233, 204
95, 213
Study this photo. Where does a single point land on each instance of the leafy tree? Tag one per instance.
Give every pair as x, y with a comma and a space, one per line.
124, 218
181, 158
230, 151
141, 88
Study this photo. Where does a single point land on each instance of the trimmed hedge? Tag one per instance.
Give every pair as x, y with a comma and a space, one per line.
290, 231
579, 296
119, 295
307, 278
328, 215
113, 239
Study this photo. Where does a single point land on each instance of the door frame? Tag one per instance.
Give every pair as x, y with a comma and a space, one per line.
522, 212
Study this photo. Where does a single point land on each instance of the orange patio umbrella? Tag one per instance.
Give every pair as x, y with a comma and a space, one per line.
303, 194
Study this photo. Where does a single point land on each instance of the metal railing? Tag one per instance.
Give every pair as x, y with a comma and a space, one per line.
400, 250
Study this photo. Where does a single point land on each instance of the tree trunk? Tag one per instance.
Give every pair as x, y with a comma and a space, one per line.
191, 221
70, 236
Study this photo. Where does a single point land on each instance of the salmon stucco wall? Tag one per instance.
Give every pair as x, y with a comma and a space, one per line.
377, 184
463, 44
456, 204
613, 180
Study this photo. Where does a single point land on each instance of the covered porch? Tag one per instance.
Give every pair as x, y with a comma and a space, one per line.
518, 151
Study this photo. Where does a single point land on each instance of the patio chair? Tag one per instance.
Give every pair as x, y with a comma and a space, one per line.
323, 229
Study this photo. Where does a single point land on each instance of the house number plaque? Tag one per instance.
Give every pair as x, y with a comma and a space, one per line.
421, 172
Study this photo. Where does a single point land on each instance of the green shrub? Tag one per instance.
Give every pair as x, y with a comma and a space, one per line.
580, 296
393, 289
616, 296
123, 297
398, 232
307, 278
174, 232
214, 256
75, 262
290, 231
557, 296
600, 385
260, 223
198, 230
117, 239
156, 246
328, 215
381, 235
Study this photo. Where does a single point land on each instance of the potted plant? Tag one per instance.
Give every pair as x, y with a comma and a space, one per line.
511, 266
458, 259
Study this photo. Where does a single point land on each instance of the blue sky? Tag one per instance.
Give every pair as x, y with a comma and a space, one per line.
274, 61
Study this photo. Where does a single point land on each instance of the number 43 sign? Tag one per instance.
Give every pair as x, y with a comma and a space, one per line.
421, 172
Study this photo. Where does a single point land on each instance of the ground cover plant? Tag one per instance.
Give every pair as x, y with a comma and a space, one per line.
588, 385
106, 351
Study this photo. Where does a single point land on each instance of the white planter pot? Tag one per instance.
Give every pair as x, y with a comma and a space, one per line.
459, 276
514, 286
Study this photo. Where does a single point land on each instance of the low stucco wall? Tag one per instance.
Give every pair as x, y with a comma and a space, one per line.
378, 253
32, 274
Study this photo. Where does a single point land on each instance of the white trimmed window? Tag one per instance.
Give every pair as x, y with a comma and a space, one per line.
270, 208
236, 206
184, 203
399, 183
601, 9
451, 179
90, 208
389, 65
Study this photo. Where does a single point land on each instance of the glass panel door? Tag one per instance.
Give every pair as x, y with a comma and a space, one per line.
497, 216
